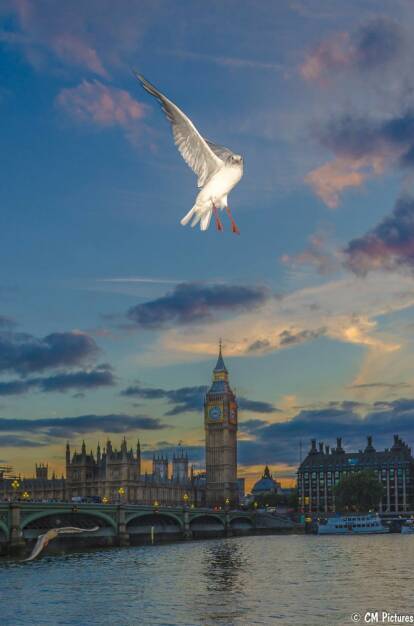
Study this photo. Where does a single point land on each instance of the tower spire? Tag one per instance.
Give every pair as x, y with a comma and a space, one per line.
220, 367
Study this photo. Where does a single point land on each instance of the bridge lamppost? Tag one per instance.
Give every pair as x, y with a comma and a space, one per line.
15, 486
187, 530
227, 503
105, 500
26, 495
121, 493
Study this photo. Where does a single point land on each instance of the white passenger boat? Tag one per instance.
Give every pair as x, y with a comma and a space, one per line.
352, 525
408, 527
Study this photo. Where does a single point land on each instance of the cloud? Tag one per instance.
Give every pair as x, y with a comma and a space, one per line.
100, 104
315, 255
389, 246
184, 399
329, 180
73, 50
187, 399
39, 29
195, 454
333, 53
252, 426
279, 442
89, 35
24, 354
90, 379
358, 137
377, 42
7, 322
376, 130
379, 385
373, 45
363, 148
230, 62
79, 380
15, 387
256, 406
287, 338
259, 345
14, 441
58, 427
323, 311
190, 303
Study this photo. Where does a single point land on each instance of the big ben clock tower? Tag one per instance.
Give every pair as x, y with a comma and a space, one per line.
220, 422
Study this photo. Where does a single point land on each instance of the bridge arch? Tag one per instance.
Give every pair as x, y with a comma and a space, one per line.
154, 516
203, 515
207, 525
241, 522
64, 513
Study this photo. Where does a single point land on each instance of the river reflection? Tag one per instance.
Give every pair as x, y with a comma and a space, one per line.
268, 580
224, 565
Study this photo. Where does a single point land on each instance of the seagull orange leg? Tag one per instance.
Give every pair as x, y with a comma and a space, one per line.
234, 228
219, 225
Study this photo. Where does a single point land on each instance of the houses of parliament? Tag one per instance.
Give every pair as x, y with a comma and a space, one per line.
110, 471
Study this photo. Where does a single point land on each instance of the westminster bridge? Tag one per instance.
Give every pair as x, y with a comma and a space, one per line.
125, 524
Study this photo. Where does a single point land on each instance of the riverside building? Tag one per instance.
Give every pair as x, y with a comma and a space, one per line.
324, 466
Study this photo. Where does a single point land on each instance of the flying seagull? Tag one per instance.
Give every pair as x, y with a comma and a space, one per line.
43, 540
218, 168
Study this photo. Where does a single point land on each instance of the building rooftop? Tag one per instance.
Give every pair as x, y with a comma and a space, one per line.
266, 483
336, 456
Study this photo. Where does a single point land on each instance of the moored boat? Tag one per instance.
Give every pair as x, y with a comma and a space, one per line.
352, 525
408, 527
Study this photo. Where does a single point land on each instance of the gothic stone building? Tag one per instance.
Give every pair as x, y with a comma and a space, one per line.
323, 468
40, 487
220, 422
103, 474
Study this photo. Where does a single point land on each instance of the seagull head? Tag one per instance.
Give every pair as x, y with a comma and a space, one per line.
235, 159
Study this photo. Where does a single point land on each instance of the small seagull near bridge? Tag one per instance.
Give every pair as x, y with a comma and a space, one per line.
218, 168
43, 540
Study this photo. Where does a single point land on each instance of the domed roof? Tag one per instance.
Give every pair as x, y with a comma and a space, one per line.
265, 483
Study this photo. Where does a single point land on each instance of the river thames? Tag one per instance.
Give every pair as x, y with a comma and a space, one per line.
285, 580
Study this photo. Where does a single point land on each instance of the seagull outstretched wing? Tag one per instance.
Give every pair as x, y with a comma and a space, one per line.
43, 540
198, 153
222, 152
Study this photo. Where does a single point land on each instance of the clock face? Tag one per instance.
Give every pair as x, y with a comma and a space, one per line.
214, 413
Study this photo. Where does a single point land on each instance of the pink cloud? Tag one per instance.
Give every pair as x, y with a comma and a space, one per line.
374, 44
73, 50
388, 246
94, 35
316, 254
92, 101
332, 178
332, 54
64, 33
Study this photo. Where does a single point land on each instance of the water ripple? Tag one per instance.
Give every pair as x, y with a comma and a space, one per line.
271, 580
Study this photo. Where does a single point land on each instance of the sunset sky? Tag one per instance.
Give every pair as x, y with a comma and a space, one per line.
111, 311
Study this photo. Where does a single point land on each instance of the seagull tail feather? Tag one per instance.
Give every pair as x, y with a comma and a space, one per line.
189, 215
205, 221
